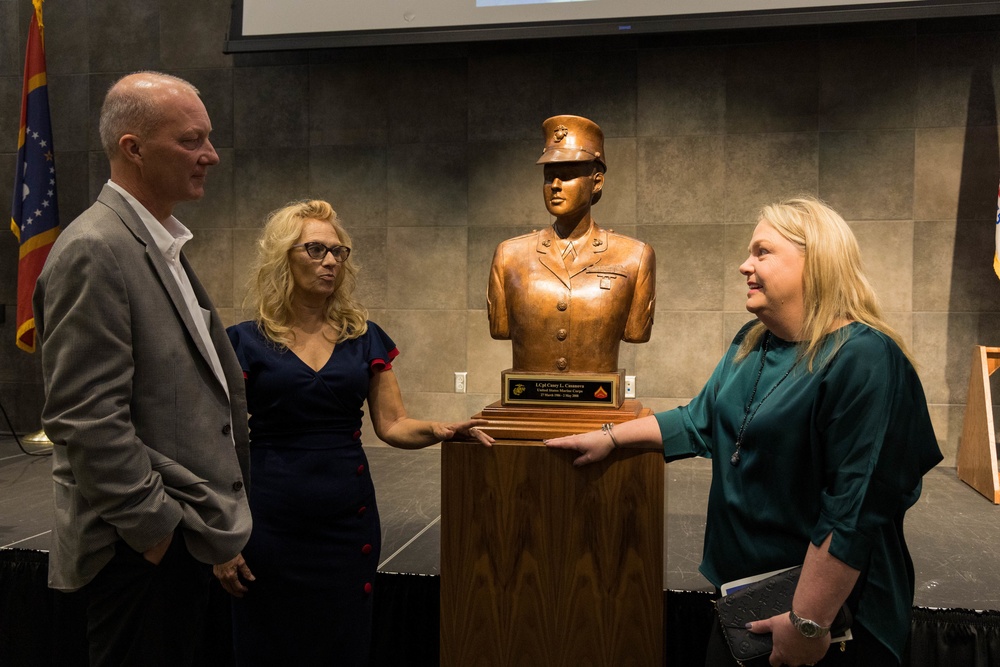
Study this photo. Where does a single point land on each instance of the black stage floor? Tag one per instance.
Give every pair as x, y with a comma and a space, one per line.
953, 532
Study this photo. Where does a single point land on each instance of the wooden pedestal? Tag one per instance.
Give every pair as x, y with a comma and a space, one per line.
977, 452
546, 564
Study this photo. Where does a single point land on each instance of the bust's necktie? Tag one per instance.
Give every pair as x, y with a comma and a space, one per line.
569, 254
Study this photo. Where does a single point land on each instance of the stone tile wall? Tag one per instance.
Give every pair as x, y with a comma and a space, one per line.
428, 155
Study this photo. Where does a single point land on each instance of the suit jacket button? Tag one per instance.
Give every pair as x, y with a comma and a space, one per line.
237, 486
561, 363
562, 305
561, 334
227, 429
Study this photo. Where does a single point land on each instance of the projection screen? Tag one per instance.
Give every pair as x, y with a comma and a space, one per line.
264, 25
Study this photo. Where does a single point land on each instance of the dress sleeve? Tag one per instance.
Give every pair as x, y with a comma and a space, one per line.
381, 349
876, 441
236, 336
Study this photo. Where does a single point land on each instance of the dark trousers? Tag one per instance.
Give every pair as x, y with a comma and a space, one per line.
138, 613
862, 651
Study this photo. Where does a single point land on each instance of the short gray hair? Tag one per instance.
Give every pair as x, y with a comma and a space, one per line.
130, 108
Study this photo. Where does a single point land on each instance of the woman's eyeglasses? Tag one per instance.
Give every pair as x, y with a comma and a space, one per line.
318, 251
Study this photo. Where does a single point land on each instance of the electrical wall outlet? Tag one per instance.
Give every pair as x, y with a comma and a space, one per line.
629, 386
460, 380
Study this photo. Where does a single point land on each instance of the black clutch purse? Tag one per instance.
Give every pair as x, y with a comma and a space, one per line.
763, 599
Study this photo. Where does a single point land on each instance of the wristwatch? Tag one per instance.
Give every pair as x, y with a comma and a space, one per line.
809, 629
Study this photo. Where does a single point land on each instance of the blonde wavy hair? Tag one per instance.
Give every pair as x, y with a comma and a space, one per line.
270, 288
835, 286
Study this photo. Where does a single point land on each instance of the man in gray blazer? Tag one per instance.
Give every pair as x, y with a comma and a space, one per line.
144, 397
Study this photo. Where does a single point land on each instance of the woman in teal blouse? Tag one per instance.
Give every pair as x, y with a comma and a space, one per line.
818, 431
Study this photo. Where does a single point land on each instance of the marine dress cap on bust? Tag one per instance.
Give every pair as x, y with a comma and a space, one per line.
572, 139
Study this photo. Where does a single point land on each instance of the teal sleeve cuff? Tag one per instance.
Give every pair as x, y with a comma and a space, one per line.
677, 434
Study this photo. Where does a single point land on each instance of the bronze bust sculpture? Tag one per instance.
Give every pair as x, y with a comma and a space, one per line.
566, 296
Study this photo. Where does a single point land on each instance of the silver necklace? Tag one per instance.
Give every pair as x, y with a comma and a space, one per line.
747, 415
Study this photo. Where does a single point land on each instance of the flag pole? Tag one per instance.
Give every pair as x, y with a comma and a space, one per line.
34, 205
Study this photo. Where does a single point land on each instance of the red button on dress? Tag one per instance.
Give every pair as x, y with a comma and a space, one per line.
362, 510
361, 469
367, 549
368, 588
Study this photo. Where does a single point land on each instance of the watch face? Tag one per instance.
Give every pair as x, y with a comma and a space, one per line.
809, 629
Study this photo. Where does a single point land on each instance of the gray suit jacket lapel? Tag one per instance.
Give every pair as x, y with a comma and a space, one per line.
135, 225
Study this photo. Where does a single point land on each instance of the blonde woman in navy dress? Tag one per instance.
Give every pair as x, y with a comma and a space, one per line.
311, 360
819, 435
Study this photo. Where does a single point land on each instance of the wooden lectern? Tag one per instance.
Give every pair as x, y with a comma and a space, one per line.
977, 452
546, 564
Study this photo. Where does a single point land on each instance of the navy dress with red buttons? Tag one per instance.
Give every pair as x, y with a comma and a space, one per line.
316, 535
